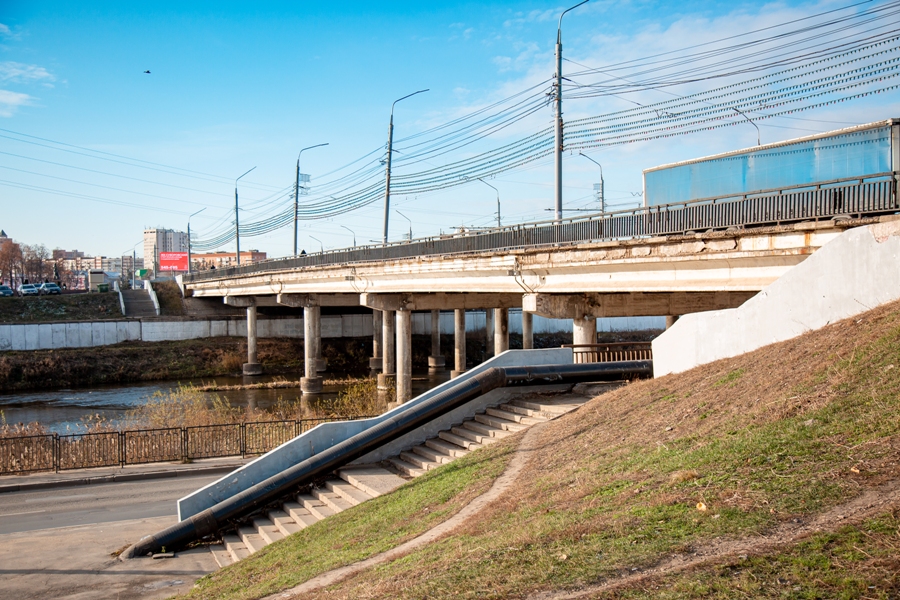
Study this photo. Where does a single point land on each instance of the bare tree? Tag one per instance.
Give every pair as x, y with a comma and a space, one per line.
11, 263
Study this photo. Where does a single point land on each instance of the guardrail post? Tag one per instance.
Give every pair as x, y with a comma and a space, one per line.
122, 458
184, 445
243, 440
56, 452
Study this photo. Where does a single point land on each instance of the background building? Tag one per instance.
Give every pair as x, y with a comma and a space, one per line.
203, 261
162, 240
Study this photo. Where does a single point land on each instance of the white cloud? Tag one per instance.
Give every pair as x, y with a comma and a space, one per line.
22, 73
4, 30
11, 101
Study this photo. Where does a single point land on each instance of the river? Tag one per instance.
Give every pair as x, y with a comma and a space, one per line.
63, 411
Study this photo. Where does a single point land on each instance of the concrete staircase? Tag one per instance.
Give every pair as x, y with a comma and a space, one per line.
354, 485
138, 304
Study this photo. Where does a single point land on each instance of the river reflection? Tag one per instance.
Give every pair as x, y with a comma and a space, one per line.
63, 411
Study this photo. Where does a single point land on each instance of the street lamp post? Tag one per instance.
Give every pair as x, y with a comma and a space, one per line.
321, 246
559, 118
189, 237
387, 178
410, 223
602, 198
740, 112
353, 232
237, 230
498, 198
297, 193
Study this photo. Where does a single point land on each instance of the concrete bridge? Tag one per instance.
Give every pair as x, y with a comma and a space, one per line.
663, 260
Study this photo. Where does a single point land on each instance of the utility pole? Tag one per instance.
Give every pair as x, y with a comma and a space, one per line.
559, 118
297, 193
387, 178
237, 230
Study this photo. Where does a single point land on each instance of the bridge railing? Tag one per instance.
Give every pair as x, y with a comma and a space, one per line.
871, 195
600, 353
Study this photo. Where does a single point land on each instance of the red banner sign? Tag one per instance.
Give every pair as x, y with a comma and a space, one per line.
173, 261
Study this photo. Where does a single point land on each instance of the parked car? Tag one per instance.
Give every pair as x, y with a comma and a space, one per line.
28, 289
49, 288
5, 290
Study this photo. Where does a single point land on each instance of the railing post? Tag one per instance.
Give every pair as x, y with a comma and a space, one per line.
56, 451
184, 445
122, 458
243, 439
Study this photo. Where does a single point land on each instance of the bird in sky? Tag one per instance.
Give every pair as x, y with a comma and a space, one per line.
147, 72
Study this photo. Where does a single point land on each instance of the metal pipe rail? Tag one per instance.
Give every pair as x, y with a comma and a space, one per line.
246, 502
870, 195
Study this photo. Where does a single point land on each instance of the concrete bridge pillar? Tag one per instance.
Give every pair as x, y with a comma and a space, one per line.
671, 320
459, 342
311, 383
320, 362
436, 360
584, 330
251, 367
501, 330
375, 363
527, 331
404, 356
488, 333
386, 377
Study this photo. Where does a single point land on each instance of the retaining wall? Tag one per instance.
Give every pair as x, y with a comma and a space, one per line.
855, 272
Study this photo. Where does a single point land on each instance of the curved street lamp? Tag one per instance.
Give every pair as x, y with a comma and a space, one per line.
237, 230
189, 237
498, 198
297, 192
353, 232
387, 178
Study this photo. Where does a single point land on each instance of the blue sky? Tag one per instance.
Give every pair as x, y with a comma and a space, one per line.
233, 86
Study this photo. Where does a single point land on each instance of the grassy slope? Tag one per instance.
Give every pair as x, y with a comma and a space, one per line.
779, 434
67, 307
360, 532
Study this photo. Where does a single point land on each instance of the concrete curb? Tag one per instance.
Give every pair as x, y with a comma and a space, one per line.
118, 478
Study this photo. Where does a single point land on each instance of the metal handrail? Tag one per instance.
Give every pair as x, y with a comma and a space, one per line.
822, 200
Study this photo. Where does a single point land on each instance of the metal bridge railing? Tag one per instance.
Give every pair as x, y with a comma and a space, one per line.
872, 195
601, 353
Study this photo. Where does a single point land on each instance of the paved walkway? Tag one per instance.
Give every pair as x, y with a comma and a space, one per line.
38, 481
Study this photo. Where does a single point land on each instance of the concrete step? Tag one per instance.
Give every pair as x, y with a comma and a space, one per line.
316, 507
405, 468
348, 492
267, 530
500, 423
433, 454
333, 501
371, 479
548, 409
515, 417
284, 522
252, 540
456, 440
300, 514
479, 437
445, 447
419, 461
221, 555
489, 431
235, 547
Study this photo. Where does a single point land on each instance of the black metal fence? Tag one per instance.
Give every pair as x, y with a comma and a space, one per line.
872, 195
54, 452
600, 353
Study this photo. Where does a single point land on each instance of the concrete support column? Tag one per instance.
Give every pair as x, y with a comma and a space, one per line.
488, 333
320, 362
404, 356
584, 331
670, 320
386, 377
436, 360
311, 383
375, 362
459, 342
527, 331
251, 367
501, 330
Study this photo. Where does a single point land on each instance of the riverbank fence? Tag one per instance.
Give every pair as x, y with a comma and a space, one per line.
55, 452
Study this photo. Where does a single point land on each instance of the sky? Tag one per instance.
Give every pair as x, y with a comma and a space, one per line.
234, 86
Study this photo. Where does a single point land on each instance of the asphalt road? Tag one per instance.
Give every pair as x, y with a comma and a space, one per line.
100, 503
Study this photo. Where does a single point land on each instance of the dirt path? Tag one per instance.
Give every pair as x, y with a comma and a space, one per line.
872, 502
527, 446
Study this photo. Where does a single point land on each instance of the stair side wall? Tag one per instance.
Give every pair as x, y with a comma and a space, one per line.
855, 272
